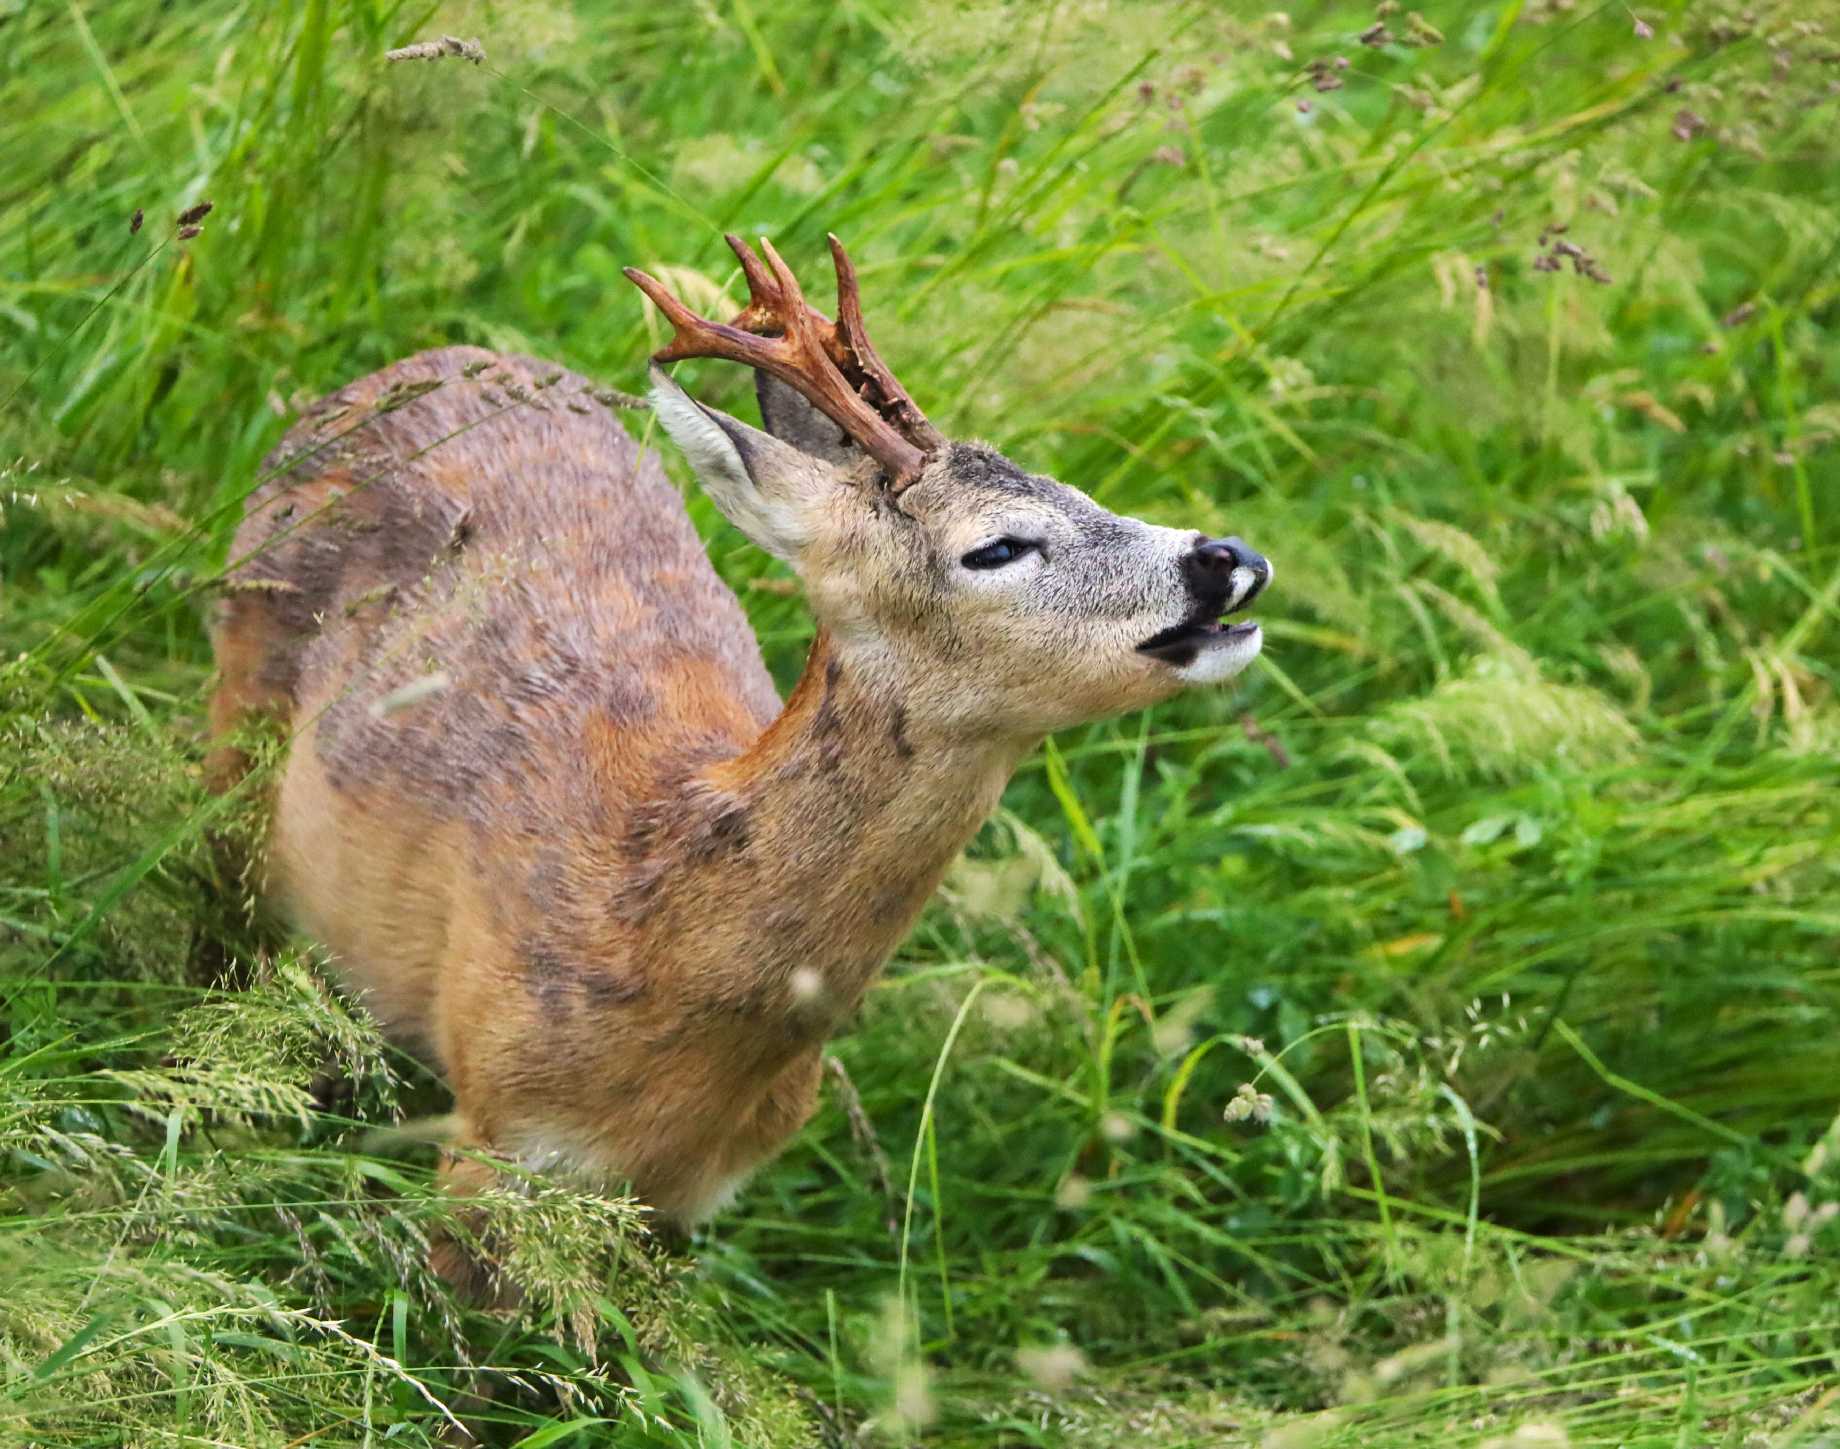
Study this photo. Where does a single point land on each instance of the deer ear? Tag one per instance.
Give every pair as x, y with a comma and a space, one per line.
789, 417
771, 491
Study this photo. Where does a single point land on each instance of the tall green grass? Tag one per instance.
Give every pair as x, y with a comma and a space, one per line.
1433, 1041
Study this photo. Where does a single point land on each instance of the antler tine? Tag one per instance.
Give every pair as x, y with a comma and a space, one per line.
855, 338
800, 358
765, 303
694, 336
793, 311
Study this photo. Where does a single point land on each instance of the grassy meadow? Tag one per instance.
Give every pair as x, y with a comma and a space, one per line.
1432, 1040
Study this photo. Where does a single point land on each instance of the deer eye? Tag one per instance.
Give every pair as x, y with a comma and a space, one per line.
995, 555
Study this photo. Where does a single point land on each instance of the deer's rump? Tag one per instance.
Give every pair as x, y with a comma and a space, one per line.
499, 567
485, 622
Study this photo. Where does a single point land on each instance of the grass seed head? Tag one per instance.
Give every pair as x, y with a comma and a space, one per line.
1421, 32
1008, 1011
806, 983
1249, 1104
1051, 1367
412, 693
447, 45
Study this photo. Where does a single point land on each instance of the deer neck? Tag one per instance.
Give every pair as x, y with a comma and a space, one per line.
836, 827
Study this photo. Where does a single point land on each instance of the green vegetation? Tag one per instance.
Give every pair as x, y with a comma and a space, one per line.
1433, 1041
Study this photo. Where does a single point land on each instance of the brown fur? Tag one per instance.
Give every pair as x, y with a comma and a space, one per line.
617, 891
584, 873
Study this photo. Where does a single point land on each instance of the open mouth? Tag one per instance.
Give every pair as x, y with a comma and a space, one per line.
1208, 627
1179, 645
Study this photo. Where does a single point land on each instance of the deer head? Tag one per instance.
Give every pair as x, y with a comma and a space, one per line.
994, 600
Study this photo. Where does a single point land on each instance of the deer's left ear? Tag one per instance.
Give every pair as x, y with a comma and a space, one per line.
792, 419
771, 491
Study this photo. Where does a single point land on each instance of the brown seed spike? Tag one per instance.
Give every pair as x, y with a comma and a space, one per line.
831, 364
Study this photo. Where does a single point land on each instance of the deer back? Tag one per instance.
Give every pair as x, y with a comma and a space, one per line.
481, 605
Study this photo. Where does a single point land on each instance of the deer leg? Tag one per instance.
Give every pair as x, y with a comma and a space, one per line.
786, 1106
463, 1259
240, 704
789, 1102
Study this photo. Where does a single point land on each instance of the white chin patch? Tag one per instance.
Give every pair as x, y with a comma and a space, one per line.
1219, 660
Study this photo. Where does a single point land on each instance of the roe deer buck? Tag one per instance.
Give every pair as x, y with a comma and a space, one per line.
618, 890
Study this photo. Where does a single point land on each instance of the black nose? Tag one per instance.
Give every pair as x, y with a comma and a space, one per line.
1210, 567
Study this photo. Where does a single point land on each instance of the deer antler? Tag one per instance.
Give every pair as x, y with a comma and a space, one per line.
830, 363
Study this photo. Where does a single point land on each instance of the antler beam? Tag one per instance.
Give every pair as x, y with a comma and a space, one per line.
831, 364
